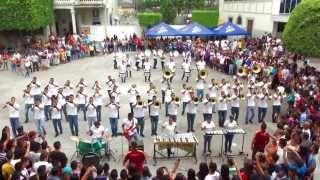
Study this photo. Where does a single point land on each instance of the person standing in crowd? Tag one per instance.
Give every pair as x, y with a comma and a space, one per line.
35, 89
46, 100
138, 112
169, 129
72, 115
39, 115
57, 157
207, 126
276, 106
133, 93
172, 107
260, 140
14, 109
91, 110
147, 70
135, 157
235, 106
154, 106
28, 101
81, 101
56, 117
208, 105
186, 97
191, 113
251, 96
229, 124
262, 105
97, 101
222, 108
113, 107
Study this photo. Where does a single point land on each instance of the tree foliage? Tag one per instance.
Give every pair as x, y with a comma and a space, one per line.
168, 11
302, 32
25, 14
208, 18
149, 19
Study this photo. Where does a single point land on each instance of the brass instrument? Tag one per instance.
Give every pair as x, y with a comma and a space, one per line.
212, 100
167, 73
242, 72
256, 68
242, 97
195, 100
229, 97
203, 73
177, 100
140, 103
157, 103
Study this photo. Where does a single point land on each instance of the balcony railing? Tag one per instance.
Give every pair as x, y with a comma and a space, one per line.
78, 2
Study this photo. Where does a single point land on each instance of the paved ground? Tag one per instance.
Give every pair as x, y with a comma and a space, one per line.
98, 68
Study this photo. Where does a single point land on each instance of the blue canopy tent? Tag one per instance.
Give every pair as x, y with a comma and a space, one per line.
161, 29
195, 29
229, 29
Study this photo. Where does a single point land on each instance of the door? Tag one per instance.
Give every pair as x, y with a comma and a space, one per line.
250, 25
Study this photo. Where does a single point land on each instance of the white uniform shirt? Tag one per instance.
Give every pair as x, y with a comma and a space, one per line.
169, 129
235, 102
128, 124
192, 108
35, 90
46, 100
14, 111
97, 100
225, 88
222, 104
97, 131
61, 100
154, 110
228, 124
207, 107
201, 65
167, 97
200, 84
186, 67
39, 113
71, 109
123, 68
147, 66
172, 108
138, 111
113, 110
151, 93
28, 99
213, 91
172, 66
67, 91
133, 93
208, 127
185, 95
251, 100
276, 100
263, 101
81, 99
55, 114
116, 95
52, 90
91, 111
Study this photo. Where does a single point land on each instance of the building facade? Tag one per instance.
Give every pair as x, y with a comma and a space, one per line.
77, 16
258, 16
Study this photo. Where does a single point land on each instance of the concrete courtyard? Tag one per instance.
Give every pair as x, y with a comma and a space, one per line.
98, 68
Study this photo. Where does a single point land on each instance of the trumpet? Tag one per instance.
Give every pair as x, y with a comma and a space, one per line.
212, 100
157, 103
229, 97
242, 97
203, 73
256, 68
167, 74
177, 100
195, 100
140, 103
241, 72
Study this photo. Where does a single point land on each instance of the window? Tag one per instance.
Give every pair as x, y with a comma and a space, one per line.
230, 19
95, 17
239, 20
287, 6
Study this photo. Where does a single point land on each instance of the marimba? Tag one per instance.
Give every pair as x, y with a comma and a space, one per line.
239, 131
217, 132
186, 142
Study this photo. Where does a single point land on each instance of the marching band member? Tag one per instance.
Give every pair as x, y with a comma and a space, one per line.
82, 84
262, 105
62, 101
173, 107
115, 61
147, 72
191, 112
46, 100
213, 91
122, 71
97, 101
168, 98
35, 89
155, 60
133, 92
201, 65
200, 87
129, 65
154, 107
52, 88
91, 110
163, 86
109, 84
81, 101
207, 126
229, 124
250, 106
150, 93
138, 112
225, 87
138, 61
129, 128
96, 86
235, 104
276, 106
186, 97
97, 132
56, 115
13, 108
169, 129
171, 65
113, 114
222, 108
28, 101
163, 60
38, 112
208, 106
72, 115
186, 66
116, 93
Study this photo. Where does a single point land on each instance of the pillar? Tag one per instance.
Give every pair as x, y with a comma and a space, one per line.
73, 19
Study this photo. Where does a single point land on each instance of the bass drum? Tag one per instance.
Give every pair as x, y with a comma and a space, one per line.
89, 159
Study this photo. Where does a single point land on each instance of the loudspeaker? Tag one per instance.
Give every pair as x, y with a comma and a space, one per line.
90, 159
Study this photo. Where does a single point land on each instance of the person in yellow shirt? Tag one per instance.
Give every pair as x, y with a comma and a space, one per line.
7, 168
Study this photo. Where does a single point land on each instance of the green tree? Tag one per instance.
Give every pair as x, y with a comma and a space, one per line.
149, 19
168, 11
302, 32
25, 14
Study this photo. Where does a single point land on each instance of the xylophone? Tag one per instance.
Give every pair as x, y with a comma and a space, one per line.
186, 142
239, 131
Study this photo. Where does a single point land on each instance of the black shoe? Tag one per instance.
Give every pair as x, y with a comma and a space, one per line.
142, 135
26, 121
57, 134
246, 122
193, 130
251, 122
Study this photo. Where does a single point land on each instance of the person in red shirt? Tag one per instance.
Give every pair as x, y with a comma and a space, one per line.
135, 157
260, 140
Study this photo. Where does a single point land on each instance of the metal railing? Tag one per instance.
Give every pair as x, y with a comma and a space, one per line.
78, 2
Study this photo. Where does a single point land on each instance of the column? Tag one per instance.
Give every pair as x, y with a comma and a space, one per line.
73, 19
